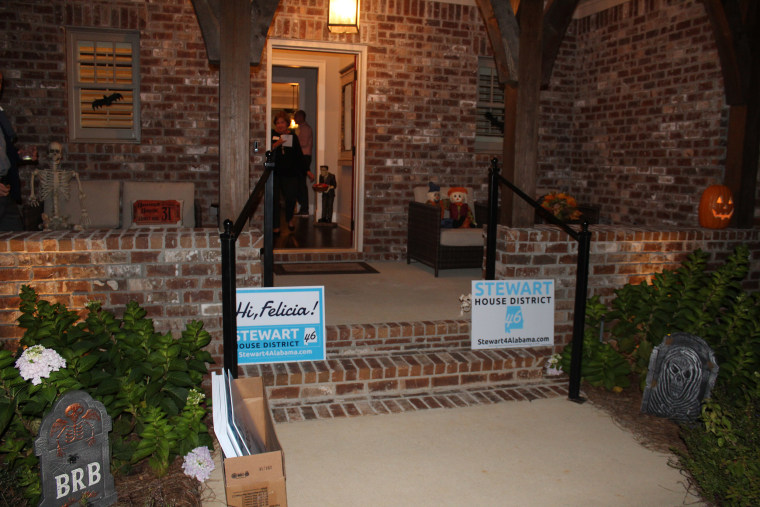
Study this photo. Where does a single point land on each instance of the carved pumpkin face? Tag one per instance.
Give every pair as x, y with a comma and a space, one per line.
716, 207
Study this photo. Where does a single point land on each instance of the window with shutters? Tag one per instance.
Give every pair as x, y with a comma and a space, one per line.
104, 84
490, 108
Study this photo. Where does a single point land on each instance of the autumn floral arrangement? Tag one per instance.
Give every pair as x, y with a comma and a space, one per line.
561, 205
149, 383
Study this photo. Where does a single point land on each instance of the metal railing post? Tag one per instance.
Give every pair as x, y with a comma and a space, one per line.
581, 277
229, 288
579, 314
263, 188
493, 219
269, 224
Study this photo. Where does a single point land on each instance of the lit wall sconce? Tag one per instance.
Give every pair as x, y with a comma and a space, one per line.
343, 16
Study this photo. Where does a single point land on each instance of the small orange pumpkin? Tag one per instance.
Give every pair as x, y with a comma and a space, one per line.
716, 207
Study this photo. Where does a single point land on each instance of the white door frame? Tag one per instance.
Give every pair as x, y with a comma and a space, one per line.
360, 51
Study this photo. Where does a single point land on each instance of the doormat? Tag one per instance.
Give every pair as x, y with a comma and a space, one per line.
323, 268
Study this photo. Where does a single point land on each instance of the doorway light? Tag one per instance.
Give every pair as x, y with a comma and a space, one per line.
293, 124
343, 16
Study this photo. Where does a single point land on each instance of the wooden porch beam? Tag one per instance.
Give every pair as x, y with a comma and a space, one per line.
234, 108
504, 36
735, 27
558, 14
527, 109
261, 13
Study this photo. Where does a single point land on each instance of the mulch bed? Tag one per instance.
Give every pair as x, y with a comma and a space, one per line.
145, 489
654, 433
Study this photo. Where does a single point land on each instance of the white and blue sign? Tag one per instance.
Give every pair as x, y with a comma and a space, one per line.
512, 313
280, 324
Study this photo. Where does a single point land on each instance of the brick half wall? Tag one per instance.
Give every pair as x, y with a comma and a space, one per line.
618, 256
174, 274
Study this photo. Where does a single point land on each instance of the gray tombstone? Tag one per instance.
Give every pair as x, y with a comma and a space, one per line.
682, 372
75, 460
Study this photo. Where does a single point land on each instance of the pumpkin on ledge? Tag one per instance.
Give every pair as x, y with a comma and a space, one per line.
716, 207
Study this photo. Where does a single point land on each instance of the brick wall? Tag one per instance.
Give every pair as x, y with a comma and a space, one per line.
633, 119
618, 256
647, 117
421, 97
175, 275
179, 90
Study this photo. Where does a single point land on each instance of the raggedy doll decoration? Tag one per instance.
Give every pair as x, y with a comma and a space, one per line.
434, 197
459, 210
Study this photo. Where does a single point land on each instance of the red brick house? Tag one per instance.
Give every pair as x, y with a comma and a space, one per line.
633, 118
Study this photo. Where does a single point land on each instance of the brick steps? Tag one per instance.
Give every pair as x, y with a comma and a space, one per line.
289, 410
397, 359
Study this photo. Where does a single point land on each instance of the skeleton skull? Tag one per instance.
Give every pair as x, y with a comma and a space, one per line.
55, 152
73, 411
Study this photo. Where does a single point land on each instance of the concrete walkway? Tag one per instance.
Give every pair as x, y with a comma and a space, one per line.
544, 452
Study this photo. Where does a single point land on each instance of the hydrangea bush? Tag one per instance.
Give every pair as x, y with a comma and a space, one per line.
148, 382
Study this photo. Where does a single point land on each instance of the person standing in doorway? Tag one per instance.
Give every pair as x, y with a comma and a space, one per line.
288, 166
306, 139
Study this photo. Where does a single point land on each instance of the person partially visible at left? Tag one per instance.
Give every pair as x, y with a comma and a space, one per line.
10, 184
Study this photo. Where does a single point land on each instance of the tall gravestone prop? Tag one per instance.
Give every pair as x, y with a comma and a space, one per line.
75, 460
682, 372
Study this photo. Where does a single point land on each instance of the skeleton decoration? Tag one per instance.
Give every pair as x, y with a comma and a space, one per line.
55, 183
75, 458
682, 372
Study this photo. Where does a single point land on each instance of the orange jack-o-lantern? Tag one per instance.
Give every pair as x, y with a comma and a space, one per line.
716, 207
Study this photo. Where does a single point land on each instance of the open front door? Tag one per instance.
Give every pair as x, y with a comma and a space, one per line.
347, 157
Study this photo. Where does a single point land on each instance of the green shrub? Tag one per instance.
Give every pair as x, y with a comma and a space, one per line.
711, 305
148, 382
601, 364
722, 455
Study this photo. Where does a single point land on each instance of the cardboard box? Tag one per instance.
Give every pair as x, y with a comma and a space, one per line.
259, 479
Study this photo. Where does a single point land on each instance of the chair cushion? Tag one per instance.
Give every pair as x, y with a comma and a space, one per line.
462, 237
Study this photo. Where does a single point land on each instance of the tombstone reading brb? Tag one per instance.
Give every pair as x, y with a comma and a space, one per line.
75, 460
512, 313
276, 325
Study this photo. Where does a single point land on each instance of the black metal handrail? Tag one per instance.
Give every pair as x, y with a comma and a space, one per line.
583, 237
264, 187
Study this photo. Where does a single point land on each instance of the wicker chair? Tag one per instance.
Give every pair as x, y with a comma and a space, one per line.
437, 247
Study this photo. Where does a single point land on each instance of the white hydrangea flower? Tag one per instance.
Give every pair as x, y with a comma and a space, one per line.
198, 463
195, 397
37, 363
552, 365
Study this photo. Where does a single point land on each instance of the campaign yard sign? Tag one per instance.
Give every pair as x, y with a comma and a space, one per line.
512, 313
280, 324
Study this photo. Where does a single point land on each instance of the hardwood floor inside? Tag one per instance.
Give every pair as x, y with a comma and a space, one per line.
308, 235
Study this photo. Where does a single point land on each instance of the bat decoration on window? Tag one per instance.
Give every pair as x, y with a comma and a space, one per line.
107, 100
495, 122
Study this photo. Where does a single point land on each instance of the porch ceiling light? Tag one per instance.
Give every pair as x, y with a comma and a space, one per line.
343, 16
